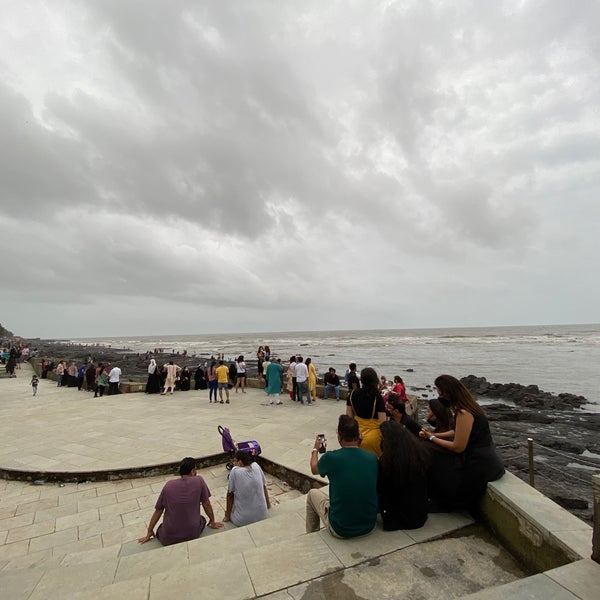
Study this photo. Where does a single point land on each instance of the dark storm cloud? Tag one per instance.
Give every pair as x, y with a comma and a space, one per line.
246, 155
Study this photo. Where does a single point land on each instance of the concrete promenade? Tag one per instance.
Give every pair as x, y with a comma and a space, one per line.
79, 540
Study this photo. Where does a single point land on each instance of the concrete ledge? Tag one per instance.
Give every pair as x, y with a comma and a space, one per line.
539, 532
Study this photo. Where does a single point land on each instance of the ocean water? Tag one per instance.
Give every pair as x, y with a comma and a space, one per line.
557, 358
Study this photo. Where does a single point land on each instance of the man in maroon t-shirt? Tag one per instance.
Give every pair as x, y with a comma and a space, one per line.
180, 501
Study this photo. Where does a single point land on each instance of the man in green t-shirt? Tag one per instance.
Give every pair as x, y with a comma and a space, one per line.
350, 509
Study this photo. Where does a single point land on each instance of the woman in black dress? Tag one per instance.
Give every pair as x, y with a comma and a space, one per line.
471, 446
153, 383
200, 379
185, 377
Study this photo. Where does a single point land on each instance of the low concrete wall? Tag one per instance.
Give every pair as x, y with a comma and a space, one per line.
542, 534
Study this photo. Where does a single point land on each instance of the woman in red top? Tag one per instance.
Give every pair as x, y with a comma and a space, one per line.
399, 388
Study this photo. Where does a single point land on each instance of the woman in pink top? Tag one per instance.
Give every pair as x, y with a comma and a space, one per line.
212, 381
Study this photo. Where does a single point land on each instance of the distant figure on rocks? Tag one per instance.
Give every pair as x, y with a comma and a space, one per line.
180, 501
114, 378
153, 382
172, 370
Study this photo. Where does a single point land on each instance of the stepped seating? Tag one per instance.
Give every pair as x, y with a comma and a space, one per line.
236, 563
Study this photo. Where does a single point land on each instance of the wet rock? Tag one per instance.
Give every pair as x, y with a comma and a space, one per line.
523, 395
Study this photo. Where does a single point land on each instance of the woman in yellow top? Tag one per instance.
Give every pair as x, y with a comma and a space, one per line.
366, 405
312, 380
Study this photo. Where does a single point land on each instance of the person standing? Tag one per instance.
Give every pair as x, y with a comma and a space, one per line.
80, 376
302, 381
101, 382
90, 377
34, 384
212, 381
180, 501
352, 378
274, 380
172, 370
72, 375
240, 369
114, 377
293, 365
312, 380
153, 382
60, 371
350, 510
223, 380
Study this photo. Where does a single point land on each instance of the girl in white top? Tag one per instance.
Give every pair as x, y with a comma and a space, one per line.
240, 381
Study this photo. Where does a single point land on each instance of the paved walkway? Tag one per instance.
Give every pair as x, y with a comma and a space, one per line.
63, 429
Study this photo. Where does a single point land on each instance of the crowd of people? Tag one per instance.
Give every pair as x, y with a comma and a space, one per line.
405, 470
388, 463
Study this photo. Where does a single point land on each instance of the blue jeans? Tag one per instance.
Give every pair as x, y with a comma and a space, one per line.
330, 387
303, 389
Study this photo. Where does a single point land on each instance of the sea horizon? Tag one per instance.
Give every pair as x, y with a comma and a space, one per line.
557, 358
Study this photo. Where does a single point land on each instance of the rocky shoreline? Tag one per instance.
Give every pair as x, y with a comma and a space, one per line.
565, 439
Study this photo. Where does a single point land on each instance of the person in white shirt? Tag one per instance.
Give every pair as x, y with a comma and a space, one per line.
113, 381
302, 381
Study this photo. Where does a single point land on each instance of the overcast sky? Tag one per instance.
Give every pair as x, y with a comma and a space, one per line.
196, 167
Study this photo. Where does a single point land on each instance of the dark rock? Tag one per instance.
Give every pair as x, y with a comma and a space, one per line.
570, 503
529, 396
564, 446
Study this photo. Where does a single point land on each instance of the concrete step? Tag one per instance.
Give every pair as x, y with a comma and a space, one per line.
237, 563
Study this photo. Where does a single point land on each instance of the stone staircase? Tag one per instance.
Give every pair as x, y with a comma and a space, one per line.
244, 562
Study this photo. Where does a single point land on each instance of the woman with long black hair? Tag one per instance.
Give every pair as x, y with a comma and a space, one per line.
402, 483
470, 441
